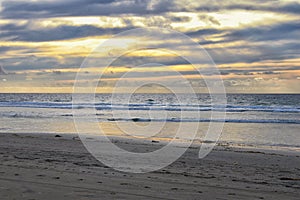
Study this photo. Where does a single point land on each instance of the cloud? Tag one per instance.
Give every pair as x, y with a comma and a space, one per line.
204, 31
20, 63
280, 31
209, 19
65, 32
252, 44
292, 7
278, 6
46, 9
35, 35
4, 49
180, 18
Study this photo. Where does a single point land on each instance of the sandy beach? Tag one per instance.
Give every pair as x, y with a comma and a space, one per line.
45, 166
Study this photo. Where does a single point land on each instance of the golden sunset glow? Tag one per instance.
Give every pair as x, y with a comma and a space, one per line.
253, 46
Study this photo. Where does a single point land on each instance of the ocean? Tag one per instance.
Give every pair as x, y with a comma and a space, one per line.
257, 120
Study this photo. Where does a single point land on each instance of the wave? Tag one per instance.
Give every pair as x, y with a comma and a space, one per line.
171, 120
153, 106
265, 121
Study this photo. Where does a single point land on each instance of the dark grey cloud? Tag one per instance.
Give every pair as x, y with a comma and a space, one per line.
292, 7
39, 63
273, 6
267, 33
209, 19
253, 54
180, 19
12, 27
286, 30
4, 49
265, 70
29, 9
24, 33
41, 9
139, 61
202, 32
261, 69
270, 42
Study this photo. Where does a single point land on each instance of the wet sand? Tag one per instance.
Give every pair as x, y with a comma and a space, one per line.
42, 166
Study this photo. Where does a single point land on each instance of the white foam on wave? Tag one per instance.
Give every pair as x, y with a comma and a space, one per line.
141, 106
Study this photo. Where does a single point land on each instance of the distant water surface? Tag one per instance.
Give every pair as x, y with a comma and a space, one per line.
251, 119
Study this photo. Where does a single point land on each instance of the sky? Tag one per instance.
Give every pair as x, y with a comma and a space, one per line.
254, 43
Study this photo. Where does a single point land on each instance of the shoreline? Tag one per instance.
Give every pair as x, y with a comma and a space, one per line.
42, 166
221, 145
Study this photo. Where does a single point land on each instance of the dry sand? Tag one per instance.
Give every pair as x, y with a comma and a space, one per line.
35, 166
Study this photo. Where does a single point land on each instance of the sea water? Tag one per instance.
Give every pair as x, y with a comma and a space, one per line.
259, 120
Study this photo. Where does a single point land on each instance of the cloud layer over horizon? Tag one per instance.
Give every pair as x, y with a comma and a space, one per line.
255, 43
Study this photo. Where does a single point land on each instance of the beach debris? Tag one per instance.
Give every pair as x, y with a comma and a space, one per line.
58, 136
155, 141
75, 138
135, 119
150, 101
